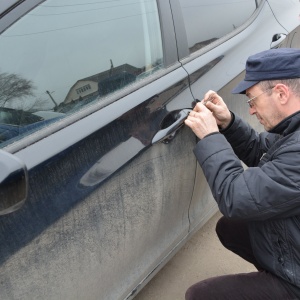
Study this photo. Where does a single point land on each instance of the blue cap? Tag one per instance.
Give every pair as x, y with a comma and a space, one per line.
273, 64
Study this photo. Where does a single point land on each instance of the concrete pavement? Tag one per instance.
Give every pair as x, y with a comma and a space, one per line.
202, 257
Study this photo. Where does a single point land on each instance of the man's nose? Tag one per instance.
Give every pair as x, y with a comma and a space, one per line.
252, 110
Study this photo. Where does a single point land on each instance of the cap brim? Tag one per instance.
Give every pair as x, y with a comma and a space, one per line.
243, 86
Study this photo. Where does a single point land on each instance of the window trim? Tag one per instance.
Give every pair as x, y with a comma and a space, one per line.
167, 33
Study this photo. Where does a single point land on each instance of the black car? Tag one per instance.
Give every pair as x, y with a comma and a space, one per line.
96, 202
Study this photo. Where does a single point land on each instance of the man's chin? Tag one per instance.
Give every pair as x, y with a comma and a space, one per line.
268, 128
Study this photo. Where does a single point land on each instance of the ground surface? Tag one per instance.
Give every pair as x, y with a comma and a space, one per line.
202, 257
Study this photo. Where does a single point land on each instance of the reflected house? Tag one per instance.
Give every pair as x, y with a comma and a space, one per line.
88, 89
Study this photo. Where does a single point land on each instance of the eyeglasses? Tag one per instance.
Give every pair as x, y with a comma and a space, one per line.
251, 100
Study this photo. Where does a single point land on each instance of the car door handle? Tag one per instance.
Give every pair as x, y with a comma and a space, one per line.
164, 135
277, 39
13, 183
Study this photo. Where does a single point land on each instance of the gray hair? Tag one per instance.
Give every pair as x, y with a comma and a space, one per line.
292, 84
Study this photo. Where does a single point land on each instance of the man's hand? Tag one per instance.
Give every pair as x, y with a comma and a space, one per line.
201, 121
218, 108
208, 114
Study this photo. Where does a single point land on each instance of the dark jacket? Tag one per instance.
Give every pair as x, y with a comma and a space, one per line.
266, 195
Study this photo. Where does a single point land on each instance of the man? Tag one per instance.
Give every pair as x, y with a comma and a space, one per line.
260, 205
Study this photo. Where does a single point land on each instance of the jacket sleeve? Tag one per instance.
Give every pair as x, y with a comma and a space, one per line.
256, 193
248, 145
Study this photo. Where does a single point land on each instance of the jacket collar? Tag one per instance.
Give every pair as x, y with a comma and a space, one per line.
288, 125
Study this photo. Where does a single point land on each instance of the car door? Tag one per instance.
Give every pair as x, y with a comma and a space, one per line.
221, 35
107, 174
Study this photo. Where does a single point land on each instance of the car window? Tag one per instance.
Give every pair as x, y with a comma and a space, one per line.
208, 20
65, 55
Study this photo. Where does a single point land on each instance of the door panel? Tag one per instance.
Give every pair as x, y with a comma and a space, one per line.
74, 242
106, 205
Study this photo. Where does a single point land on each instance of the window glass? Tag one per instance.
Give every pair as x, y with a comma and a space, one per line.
66, 54
208, 20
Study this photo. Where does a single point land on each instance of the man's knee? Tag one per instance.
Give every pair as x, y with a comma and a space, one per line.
222, 228
197, 291
228, 229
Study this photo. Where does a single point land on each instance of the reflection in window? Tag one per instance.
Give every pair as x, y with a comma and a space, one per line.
66, 54
208, 20
82, 89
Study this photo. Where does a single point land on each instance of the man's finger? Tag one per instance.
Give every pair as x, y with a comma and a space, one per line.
199, 107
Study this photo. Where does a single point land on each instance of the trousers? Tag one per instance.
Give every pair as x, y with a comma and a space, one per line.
260, 285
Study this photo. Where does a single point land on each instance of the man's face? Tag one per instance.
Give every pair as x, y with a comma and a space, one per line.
266, 107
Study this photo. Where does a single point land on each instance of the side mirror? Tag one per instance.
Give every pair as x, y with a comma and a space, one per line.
13, 183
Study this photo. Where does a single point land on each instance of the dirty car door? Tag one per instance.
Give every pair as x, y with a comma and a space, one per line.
110, 169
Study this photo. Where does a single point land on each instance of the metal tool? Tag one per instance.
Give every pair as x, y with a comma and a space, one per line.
210, 98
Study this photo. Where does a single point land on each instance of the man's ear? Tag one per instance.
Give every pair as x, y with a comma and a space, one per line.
283, 92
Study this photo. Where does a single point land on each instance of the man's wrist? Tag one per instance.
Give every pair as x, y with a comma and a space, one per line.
227, 125
212, 133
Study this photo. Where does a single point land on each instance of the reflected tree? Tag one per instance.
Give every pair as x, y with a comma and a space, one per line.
13, 86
